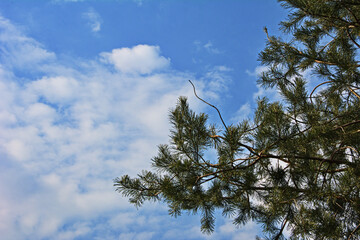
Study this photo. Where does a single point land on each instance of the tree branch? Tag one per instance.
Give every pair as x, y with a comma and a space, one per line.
351, 38
209, 105
357, 95
316, 88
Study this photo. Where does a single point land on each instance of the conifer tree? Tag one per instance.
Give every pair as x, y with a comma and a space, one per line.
296, 164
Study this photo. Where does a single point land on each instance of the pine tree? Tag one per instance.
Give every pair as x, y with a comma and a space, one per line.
296, 163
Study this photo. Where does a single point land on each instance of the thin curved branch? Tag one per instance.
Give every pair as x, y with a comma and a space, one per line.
351, 38
209, 105
331, 158
316, 88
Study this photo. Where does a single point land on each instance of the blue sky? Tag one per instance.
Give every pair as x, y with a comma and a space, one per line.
86, 89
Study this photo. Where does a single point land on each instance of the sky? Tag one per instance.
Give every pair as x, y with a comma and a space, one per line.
86, 87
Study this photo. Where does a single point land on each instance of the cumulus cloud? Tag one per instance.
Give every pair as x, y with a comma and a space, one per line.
141, 59
67, 134
94, 19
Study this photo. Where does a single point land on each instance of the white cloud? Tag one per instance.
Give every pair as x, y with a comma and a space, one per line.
17, 149
249, 231
142, 59
58, 89
17, 50
67, 134
243, 113
40, 113
93, 18
257, 72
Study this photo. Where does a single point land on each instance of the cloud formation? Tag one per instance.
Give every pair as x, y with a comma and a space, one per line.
143, 59
68, 130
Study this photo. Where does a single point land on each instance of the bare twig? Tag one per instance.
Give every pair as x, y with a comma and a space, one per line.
209, 105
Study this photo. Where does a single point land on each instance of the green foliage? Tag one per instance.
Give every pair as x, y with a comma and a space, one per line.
296, 164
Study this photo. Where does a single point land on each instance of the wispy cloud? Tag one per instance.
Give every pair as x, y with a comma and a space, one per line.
216, 80
94, 19
211, 49
18, 50
208, 47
